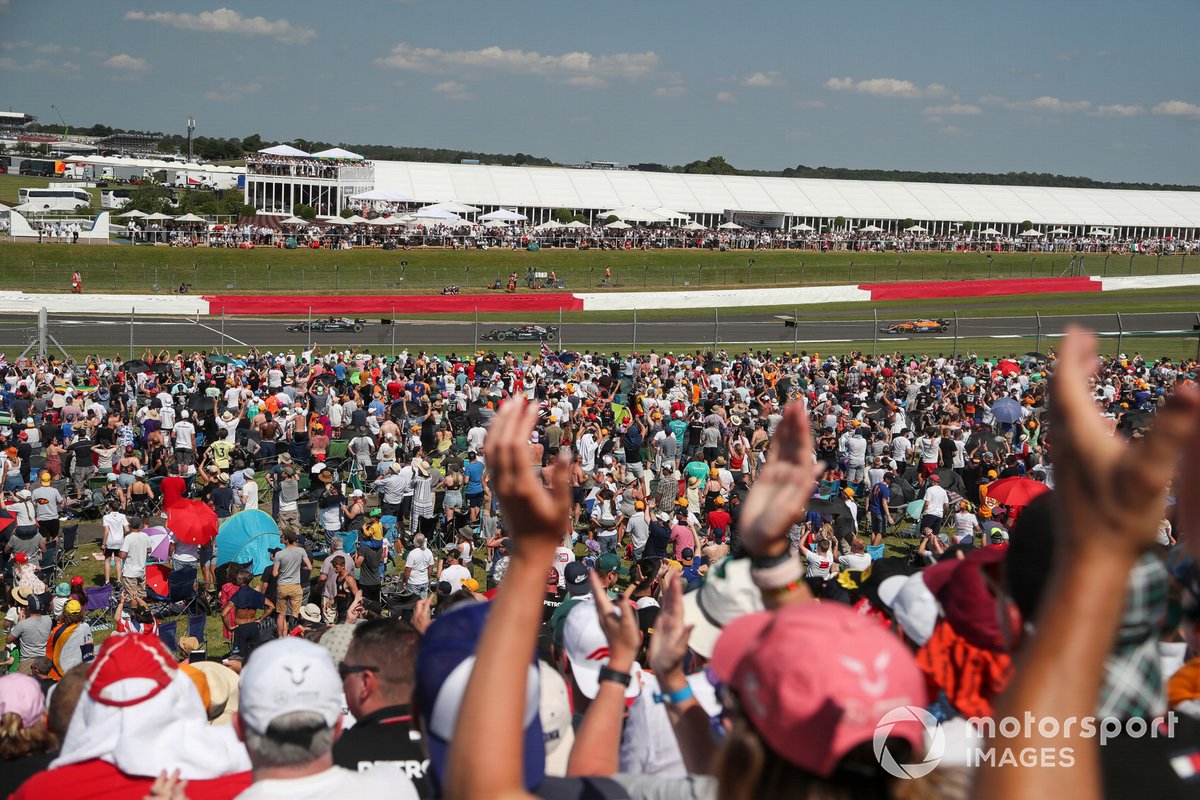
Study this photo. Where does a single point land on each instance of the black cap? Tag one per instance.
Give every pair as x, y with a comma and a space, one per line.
576, 577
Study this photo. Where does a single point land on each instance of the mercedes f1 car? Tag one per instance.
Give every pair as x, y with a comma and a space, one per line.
524, 333
329, 325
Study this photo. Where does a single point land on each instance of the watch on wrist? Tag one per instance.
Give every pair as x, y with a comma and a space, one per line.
608, 674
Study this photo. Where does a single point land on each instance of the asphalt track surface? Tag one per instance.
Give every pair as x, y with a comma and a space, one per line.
238, 333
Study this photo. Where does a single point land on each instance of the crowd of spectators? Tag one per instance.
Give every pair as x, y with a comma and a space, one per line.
681, 575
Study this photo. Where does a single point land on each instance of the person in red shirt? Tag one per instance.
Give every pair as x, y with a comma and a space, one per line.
718, 522
173, 488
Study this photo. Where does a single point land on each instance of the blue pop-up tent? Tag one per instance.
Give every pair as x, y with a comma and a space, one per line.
247, 538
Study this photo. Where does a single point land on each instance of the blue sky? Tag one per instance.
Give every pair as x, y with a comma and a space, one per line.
1102, 89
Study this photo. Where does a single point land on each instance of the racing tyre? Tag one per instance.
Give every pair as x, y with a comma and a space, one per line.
357, 327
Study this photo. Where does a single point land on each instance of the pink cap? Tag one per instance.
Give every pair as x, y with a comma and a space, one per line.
815, 679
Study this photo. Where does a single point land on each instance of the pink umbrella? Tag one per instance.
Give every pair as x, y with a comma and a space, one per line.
160, 543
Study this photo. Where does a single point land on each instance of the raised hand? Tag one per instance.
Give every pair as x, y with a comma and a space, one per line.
1110, 492
779, 497
669, 644
531, 513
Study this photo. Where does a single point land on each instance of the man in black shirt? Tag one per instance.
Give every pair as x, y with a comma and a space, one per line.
221, 497
660, 536
377, 677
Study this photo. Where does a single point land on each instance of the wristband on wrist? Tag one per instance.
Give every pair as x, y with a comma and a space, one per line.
782, 590
676, 697
778, 576
623, 678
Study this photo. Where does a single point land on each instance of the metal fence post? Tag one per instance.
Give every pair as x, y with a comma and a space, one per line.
1120, 333
1038, 347
795, 330
716, 329
874, 331
956, 333
635, 329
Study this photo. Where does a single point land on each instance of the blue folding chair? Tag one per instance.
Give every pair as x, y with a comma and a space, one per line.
349, 541
391, 527
875, 551
196, 627
100, 602
169, 635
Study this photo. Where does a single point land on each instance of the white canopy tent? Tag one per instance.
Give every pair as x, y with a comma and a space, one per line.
284, 150
576, 224
386, 222
694, 226
1060, 231
135, 214
354, 220
618, 225
1099, 232
158, 217
550, 225
1031, 233
871, 229
495, 223
293, 221
337, 152
803, 227
915, 229
383, 196
671, 216
989, 232
453, 207
504, 214
729, 226
436, 215
194, 218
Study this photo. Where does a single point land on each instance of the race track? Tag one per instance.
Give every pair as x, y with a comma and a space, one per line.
114, 331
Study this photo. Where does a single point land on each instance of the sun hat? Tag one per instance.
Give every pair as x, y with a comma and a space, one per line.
471, 585
20, 595
310, 612
916, 609
609, 562
73, 607
62, 590
816, 680
286, 676
726, 594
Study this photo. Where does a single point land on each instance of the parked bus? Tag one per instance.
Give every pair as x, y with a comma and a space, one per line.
55, 198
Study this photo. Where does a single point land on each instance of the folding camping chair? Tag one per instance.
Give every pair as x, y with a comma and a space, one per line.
101, 602
336, 455
197, 627
349, 541
911, 517
391, 527
168, 634
182, 583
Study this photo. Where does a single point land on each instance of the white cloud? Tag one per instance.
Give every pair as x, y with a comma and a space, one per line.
225, 20
232, 93
1177, 108
670, 91
1118, 110
809, 104
1060, 106
1044, 103
127, 63
950, 130
954, 110
763, 80
725, 97
884, 87
575, 68
453, 90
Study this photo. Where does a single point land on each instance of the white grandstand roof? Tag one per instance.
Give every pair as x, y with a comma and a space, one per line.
554, 187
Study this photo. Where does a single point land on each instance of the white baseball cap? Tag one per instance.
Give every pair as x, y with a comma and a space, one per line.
587, 649
916, 609
285, 676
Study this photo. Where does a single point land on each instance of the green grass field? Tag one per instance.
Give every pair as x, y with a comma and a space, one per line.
127, 268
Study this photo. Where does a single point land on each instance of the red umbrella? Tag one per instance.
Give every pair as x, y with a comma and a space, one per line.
7, 520
156, 580
1008, 367
1016, 492
192, 522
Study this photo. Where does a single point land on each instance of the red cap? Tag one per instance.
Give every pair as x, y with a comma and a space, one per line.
21, 558
77, 580
815, 680
130, 669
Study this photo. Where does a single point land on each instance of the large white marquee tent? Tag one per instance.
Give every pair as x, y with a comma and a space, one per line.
786, 202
